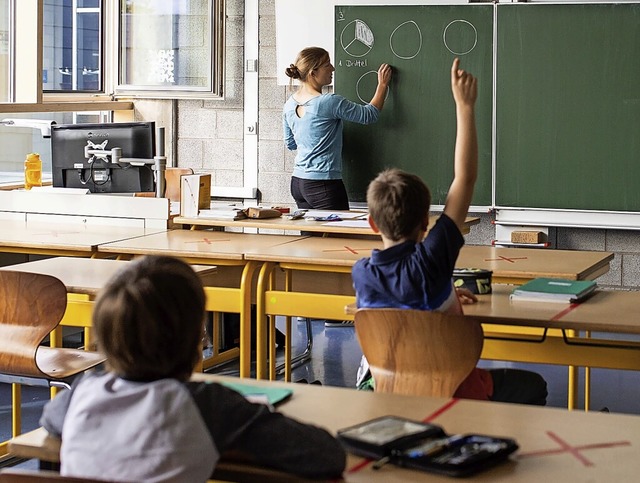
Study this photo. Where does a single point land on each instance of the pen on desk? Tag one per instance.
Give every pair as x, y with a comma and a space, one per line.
381, 462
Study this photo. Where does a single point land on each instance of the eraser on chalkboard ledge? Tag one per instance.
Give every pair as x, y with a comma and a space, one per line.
528, 237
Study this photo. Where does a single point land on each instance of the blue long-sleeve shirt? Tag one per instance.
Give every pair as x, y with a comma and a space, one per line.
317, 136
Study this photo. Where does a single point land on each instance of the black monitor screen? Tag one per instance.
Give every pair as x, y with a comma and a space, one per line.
72, 170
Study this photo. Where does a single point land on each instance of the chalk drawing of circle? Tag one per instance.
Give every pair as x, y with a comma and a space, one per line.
366, 86
460, 37
411, 37
357, 38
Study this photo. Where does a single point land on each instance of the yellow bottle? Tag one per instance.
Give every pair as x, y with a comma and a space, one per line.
32, 171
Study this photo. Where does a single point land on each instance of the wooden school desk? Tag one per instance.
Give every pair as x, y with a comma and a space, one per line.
589, 333
555, 445
232, 290
519, 265
83, 278
331, 259
63, 239
358, 226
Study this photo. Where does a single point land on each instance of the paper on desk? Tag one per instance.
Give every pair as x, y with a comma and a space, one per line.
349, 223
345, 215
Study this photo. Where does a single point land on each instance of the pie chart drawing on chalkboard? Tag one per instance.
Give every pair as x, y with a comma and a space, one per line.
460, 37
357, 38
410, 42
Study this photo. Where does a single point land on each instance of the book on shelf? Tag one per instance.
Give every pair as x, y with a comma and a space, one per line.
554, 290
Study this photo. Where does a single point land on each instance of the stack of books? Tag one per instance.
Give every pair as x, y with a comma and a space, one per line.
554, 290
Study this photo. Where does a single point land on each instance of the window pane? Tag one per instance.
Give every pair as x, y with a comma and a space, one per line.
166, 44
72, 48
17, 142
4, 50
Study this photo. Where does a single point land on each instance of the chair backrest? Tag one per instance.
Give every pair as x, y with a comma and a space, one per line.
31, 306
418, 352
172, 182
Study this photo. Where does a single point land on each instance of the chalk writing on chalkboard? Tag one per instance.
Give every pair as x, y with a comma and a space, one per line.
416, 130
460, 37
404, 31
357, 38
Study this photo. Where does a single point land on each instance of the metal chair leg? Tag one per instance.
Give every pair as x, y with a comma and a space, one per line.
302, 358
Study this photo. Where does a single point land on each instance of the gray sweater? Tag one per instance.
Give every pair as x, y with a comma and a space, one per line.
170, 431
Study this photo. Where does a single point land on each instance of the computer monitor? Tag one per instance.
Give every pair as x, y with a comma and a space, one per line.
71, 169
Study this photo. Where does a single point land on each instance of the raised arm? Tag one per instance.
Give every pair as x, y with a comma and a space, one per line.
464, 88
384, 77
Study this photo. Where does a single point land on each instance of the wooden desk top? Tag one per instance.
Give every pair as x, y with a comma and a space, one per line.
84, 275
605, 311
43, 237
508, 264
283, 223
555, 445
340, 252
529, 263
198, 244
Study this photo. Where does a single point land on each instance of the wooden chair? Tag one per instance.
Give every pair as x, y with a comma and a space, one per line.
16, 475
239, 475
418, 352
31, 306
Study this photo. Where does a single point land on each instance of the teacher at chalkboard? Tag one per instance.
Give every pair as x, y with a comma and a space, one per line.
312, 124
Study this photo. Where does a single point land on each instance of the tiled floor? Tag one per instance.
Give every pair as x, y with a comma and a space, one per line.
334, 362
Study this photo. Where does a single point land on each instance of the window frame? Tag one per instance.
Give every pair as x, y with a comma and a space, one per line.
27, 94
216, 14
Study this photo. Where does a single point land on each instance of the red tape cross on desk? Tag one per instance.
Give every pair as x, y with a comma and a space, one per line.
349, 249
506, 259
574, 450
208, 241
428, 419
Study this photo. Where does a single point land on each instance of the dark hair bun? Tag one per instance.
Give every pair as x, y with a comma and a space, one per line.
292, 71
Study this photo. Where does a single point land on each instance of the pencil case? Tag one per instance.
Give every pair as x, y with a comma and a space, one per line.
424, 446
379, 437
477, 280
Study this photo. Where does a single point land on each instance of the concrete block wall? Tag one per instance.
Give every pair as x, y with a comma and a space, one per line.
210, 140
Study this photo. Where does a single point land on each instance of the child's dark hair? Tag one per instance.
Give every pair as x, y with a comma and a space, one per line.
398, 203
149, 319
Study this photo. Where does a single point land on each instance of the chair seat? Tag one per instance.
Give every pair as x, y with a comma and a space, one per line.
60, 363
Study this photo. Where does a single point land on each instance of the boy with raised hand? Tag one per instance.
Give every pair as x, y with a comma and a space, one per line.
414, 272
144, 420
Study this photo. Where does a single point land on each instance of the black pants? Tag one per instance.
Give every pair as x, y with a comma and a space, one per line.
518, 386
327, 194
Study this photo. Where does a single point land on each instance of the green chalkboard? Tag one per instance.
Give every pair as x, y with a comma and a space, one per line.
417, 127
568, 106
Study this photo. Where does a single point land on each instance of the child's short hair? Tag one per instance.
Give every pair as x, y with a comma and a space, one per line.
398, 203
149, 319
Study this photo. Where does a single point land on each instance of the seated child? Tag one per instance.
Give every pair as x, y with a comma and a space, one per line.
143, 420
414, 272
